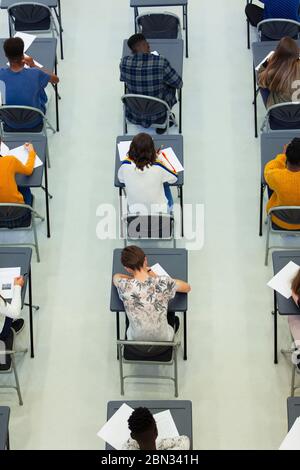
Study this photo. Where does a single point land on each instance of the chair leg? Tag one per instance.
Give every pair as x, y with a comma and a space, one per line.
248, 34
267, 244
293, 381
121, 369
176, 373
48, 155
36, 243
17, 379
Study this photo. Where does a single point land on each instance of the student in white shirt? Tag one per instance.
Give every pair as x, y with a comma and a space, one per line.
146, 178
144, 434
10, 312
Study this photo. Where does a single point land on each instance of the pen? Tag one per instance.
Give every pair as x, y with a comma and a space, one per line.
164, 155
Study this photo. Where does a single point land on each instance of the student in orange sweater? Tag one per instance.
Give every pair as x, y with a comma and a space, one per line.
9, 167
283, 178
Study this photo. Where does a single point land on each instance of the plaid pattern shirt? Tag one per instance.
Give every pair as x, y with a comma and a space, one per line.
150, 75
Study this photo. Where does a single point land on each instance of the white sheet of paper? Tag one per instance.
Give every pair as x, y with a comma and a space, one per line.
165, 425
159, 270
115, 432
123, 148
27, 38
292, 440
169, 158
7, 276
4, 149
283, 280
22, 154
154, 53
266, 58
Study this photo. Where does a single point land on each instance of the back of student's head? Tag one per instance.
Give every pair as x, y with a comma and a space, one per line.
293, 152
142, 151
142, 423
14, 49
296, 284
133, 258
135, 41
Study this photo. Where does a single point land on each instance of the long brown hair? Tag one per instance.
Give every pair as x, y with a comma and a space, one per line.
296, 284
142, 151
282, 68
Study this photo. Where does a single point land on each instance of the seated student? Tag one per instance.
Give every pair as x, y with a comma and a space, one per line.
151, 75
282, 176
280, 73
146, 178
294, 320
24, 86
9, 167
146, 297
288, 9
143, 429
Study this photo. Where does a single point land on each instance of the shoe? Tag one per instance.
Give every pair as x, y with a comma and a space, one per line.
18, 325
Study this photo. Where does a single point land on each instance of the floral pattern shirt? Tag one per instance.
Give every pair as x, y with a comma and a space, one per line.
146, 306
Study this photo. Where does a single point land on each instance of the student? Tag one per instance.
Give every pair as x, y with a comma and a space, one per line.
280, 73
294, 320
282, 176
146, 178
151, 75
9, 167
144, 434
287, 9
24, 86
146, 297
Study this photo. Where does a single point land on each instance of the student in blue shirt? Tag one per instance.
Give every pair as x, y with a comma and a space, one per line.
24, 86
288, 9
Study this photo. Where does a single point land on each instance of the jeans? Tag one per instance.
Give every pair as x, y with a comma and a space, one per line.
27, 195
6, 329
169, 196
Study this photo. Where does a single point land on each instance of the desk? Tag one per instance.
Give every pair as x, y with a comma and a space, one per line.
175, 262
293, 409
260, 50
36, 179
15, 257
271, 145
4, 427
136, 4
181, 411
172, 50
283, 306
44, 51
174, 141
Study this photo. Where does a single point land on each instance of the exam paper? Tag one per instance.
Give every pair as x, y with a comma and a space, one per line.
22, 155
27, 38
115, 432
168, 157
7, 276
154, 53
165, 425
123, 148
292, 440
266, 58
283, 280
159, 270
4, 149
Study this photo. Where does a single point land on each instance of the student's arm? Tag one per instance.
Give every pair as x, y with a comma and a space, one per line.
272, 168
29, 167
53, 78
118, 277
171, 77
182, 286
13, 309
121, 175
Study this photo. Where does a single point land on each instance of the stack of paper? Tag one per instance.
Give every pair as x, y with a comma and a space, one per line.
159, 270
169, 158
292, 440
20, 153
115, 432
7, 277
282, 282
123, 148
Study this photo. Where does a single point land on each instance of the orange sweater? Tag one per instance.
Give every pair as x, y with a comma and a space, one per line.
286, 187
9, 166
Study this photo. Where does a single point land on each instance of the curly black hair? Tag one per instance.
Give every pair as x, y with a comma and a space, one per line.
140, 421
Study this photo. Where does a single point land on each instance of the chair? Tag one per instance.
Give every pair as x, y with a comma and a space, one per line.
292, 352
148, 353
282, 116
148, 227
288, 214
24, 115
159, 25
7, 367
19, 217
277, 28
34, 18
145, 107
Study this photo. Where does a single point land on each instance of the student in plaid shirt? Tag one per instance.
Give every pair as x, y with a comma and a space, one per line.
151, 75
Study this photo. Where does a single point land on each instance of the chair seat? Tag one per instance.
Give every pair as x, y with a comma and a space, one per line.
148, 353
5, 362
15, 217
37, 129
43, 25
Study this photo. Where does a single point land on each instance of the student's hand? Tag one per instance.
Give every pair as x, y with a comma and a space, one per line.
29, 61
29, 147
19, 281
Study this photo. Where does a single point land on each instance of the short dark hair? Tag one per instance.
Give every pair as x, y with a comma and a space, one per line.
141, 421
142, 151
134, 40
293, 152
14, 49
133, 258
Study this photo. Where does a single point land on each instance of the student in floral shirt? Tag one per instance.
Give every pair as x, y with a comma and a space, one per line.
146, 297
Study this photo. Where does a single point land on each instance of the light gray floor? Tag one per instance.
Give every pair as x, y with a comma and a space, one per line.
239, 396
